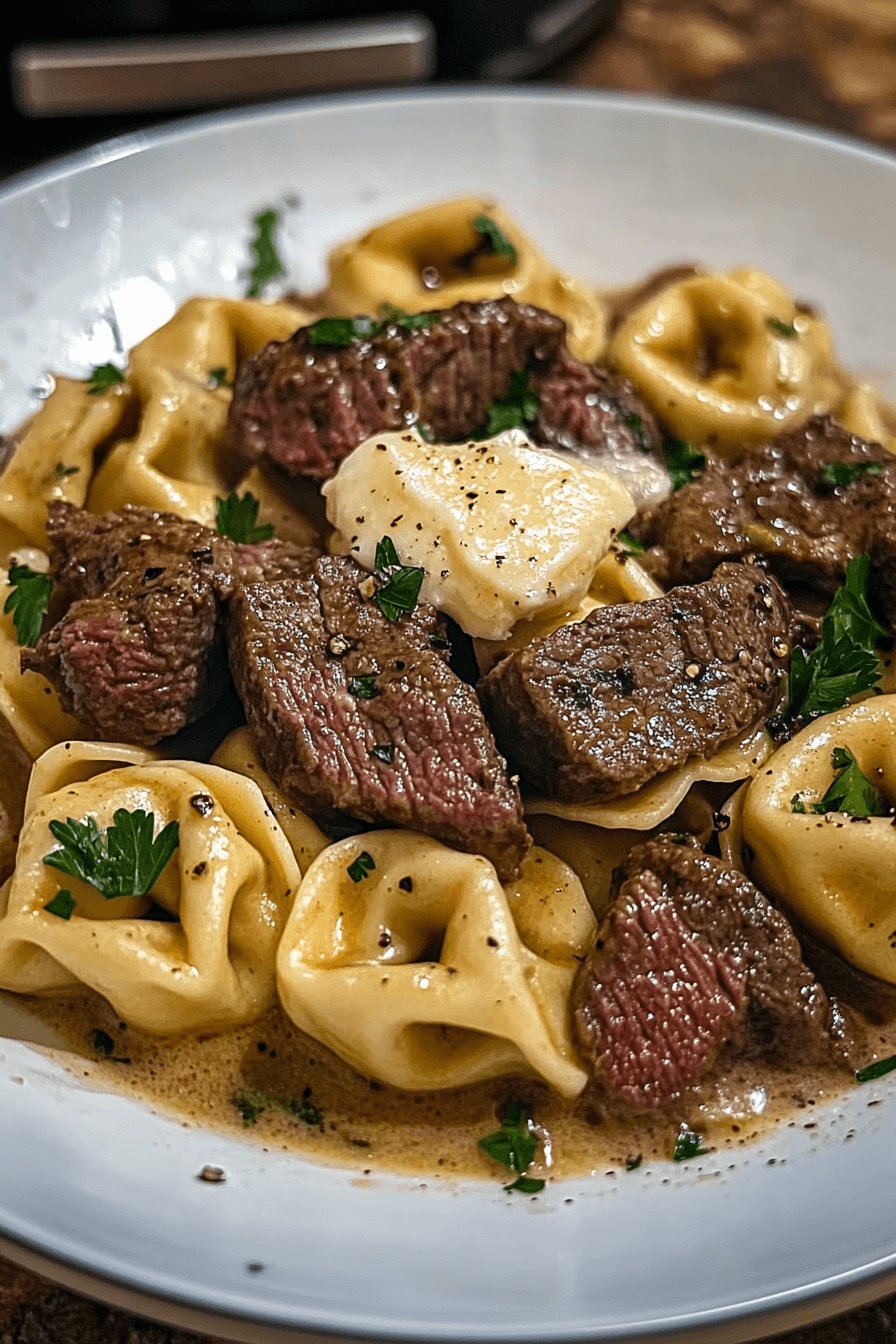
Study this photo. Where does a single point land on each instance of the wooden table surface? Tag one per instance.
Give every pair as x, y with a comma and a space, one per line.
828, 62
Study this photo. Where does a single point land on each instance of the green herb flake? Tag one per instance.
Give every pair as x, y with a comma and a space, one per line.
252, 1103
236, 517
28, 602
384, 752
341, 331
391, 316
526, 1185
301, 1108
633, 1163
636, 424
499, 244
439, 642
102, 378
364, 686
124, 860
851, 792
876, 1070
845, 660
687, 1145
62, 904
514, 411
630, 543
844, 473
399, 584
683, 462
268, 265
218, 378
62, 470
785, 329
513, 1145
361, 866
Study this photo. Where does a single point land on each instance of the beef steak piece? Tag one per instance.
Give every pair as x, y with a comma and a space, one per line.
588, 406
693, 963
775, 504
597, 708
138, 654
355, 714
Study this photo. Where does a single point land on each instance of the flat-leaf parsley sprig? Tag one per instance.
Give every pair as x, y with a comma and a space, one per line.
399, 585
514, 1145
263, 247
28, 602
127, 859
236, 517
851, 791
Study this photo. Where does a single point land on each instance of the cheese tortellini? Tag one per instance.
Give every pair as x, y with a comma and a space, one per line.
729, 359
418, 968
205, 959
436, 257
28, 703
836, 873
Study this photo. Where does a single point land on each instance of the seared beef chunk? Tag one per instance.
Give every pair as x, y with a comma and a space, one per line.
692, 961
599, 707
781, 504
355, 714
266, 561
138, 653
307, 406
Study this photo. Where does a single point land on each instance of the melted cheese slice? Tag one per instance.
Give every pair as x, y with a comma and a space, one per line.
504, 531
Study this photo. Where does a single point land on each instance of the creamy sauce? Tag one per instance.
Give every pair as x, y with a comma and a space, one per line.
374, 1128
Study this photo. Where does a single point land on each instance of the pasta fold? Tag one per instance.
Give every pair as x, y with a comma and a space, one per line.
440, 243
225, 893
836, 873
729, 359
415, 965
28, 703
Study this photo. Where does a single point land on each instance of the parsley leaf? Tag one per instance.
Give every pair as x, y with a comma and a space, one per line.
361, 866
499, 244
390, 316
636, 424
514, 1146
341, 331
630, 543
268, 265
844, 473
514, 411
252, 1103
63, 470
399, 584
62, 904
236, 517
851, 791
218, 378
384, 752
876, 1070
845, 660
28, 601
124, 860
363, 687
683, 462
785, 329
687, 1145
633, 1163
102, 378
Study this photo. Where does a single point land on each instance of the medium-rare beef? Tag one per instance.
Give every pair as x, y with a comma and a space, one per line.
782, 502
598, 707
307, 406
138, 654
588, 406
355, 714
693, 963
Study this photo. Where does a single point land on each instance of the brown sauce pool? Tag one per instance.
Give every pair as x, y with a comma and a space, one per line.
359, 1123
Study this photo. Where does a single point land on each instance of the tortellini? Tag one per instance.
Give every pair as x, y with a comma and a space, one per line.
729, 359
435, 257
418, 968
28, 703
223, 898
836, 873
864, 412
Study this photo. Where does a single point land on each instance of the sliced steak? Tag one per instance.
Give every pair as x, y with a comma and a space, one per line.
693, 963
354, 714
775, 504
597, 708
138, 654
588, 406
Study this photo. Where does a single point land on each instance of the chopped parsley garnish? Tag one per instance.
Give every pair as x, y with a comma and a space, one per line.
688, 1145
514, 1146
390, 316
785, 329
499, 244
62, 904
28, 601
363, 687
384, 752
876, 1070
633, 1163
851, 791
341, 331
268, 265
124, 860
630, 543
102, 378
236, 517
361, 866
844, 473
63, 470
252, 1103
636, 425
218, 378
683, 462
845, 660
399, 584
425, 432
514, 411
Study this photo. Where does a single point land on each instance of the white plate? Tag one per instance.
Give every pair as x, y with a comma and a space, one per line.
96, 251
